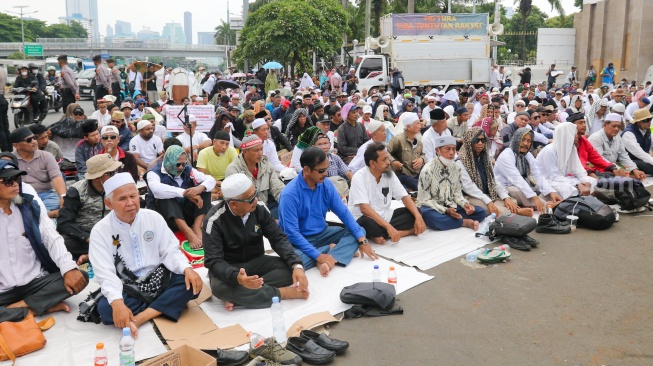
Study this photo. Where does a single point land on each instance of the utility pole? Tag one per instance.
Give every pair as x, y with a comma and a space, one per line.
411, 6
22, 25
226, 50
368, 11
245, 14
345, 4
449, 6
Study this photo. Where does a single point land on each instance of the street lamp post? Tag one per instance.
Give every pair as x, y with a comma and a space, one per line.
22, 25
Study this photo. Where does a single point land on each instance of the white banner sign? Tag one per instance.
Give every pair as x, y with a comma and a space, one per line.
203, 113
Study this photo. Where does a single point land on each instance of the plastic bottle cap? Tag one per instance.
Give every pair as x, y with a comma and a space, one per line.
392, 268
275, 300
126, 331
376, 266
99, 346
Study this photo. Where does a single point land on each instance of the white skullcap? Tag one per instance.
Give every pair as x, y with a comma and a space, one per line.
109, 129
444, 141
367, 109
613, 117
410, 118
534, 102
235, 185
192, 118
618, 108
142, 124
117, 181
374, 125
449, 110
199, 99
258, 123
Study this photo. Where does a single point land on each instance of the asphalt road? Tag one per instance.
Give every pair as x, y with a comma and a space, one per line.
52, 116
579, 299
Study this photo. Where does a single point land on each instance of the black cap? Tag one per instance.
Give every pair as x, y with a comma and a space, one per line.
307, 96
89, 126
437, 115
9, 155
333, 97
78, 109
575, 117
62, 57
9, 169
222, 135
20, 134
324, 118
155, 105
261, 114
234, 108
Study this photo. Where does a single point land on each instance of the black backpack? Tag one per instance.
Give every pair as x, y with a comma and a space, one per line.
630, 192
592, 213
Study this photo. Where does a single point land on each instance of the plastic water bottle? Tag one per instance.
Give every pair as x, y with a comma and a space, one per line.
392, 276
473, 255
127, 356
485, 225
376, 274
549, 209
255, 340
91, 274
100, 358
278, 324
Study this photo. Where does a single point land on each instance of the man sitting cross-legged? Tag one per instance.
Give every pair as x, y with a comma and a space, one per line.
36, 271
370, 197
137, 261
302, 216
239, 270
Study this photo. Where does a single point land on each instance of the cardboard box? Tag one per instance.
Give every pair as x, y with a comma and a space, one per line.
182, 356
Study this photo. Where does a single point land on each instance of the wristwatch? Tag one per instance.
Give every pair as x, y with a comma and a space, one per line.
297, 266
363, 242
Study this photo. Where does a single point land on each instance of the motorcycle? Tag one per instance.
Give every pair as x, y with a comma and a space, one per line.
21, 107
52, 98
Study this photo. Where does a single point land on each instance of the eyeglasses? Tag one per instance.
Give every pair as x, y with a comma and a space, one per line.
78, 114
536, 117
409, 105
115, 121
30, 139
268, 119
544, 114
9, 181
386, 111
483, 140
113, 137
432, 101
109, 174
320, 171
179, 165
248, 200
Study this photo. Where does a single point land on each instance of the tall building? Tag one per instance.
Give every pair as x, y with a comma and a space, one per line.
146, 33
205, 37
109, 31
174, 33
188, 26
85, 12
123, 28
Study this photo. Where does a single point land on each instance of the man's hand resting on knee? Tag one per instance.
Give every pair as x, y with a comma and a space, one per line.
194, 280
74, 281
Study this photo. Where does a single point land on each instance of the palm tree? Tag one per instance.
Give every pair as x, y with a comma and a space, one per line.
224, 34
525, 7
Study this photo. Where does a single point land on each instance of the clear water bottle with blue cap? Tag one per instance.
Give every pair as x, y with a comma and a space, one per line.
278, 323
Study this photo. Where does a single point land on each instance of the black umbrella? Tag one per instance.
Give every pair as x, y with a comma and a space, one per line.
224, 84
254, 82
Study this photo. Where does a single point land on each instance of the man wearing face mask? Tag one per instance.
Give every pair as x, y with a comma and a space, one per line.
43, 105
26, 81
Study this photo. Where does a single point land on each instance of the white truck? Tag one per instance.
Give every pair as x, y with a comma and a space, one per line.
429, 49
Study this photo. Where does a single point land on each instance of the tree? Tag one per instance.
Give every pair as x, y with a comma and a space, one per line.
560, 21
224, 34
525, 8
11, 30
536, 19
287, 31
578, 4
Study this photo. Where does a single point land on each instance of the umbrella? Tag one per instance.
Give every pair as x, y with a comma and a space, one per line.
224, 84
254, 82
272, 65
141, 66
239, 75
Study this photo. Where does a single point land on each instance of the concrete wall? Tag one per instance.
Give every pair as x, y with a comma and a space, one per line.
617, 31
556, 46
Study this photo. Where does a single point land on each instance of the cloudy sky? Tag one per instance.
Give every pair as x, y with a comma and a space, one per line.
206, 13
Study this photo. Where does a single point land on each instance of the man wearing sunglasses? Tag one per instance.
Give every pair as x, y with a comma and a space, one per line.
83, 206
37, 272
239, 271
88, 147
110, 139
302, 216
42, 169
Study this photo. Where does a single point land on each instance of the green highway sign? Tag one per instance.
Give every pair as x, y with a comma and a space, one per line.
34, 49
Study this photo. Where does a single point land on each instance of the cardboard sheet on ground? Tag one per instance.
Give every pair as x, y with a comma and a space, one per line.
72, 343
325, 296
429, 249
648, 182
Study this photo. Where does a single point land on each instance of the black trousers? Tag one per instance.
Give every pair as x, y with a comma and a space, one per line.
181, 208
5, 144
67, 97
644, 166
75, 246
100, 92
275, 274
40, 295
402, 219
115, 89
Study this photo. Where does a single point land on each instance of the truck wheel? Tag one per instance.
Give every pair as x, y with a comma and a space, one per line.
19, 120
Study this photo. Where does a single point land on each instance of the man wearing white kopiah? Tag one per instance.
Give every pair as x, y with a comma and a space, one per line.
145, 146
560, 165
378, 135
137, 261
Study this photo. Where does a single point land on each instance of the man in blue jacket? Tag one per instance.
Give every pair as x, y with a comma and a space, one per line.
302, 216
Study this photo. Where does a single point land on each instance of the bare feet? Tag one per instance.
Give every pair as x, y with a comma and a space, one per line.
228, 305
59, 307
82, 259
470, 224
525, 212
324, 269
292, 292
379, 240
194, 241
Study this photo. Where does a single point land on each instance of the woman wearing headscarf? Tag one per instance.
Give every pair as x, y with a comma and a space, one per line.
450, 98
336, 81
271, 81
596, 116
305, 140
477, 176
307, 82
575, 105
180, 193
491, 126
223, 123
299, 123
560, 165
518, 171
589, 100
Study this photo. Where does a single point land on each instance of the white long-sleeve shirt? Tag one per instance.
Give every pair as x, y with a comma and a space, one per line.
18, 262
539, 137
506, 173
564, 182
102, 119
165, 191
428, 142
270, 151
634, 148
144, 245
471, 189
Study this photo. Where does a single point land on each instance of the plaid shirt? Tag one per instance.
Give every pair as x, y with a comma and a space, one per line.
336, 166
